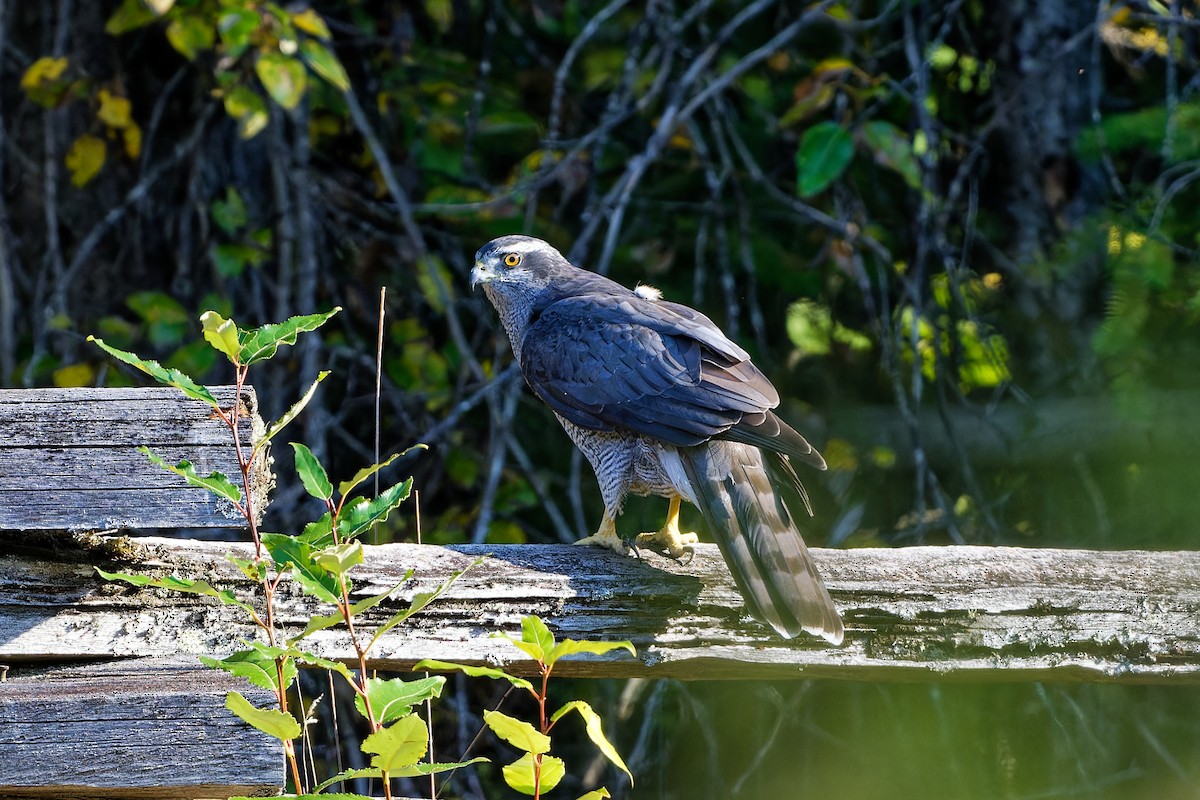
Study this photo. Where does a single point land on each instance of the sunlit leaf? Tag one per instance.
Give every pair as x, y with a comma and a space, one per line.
595, 732
279, 424
346, 487
341, 558
521, 777
596, 794
170, 377
271, 721
174, 584
259, 344
360, 514
399, 746
518, 733
568, 647
420, 600
825, 151
312, 474
297, 554
311, 23
191, 34
258, 668
221, 333
216, 482
114, 110
394, 698
473, 671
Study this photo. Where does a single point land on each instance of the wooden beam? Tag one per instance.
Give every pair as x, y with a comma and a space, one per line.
131, 729
69, 458
920, 613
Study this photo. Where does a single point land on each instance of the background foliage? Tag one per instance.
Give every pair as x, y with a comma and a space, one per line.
961, 237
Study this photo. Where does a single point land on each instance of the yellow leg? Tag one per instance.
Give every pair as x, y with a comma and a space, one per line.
676, 544
606, 536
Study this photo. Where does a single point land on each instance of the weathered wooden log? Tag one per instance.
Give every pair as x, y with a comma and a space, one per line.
69, 458
131, 729
920, 613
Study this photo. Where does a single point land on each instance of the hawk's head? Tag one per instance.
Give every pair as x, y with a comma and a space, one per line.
512, 262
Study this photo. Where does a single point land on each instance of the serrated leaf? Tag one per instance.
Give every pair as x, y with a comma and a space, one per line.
394, 698
346, 487
298, 555
312, 474
311, 23
221, 333
283, 77
259, 344
346, 775
360, 514
472, 671
595, 732
521, 777
518, 733
216, 482
399, 746
420, 600
825, 151
568, 647
85, 159
174, 584
279, 424
270, 721
323, 62
319, 532
170, 377
255, 666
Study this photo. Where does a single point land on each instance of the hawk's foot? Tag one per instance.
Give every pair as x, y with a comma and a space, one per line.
606, 536
669, 539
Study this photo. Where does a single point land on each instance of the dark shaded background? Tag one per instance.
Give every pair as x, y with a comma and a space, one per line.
984, 313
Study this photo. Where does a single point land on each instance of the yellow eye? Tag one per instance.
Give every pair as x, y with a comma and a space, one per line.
512, 259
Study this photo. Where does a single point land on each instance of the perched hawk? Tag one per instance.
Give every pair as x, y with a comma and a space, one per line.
662, 402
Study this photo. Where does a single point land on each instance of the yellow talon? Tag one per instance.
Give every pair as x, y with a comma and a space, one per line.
606, 536
668, 537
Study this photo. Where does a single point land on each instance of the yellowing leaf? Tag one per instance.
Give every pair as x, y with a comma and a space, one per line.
114, 110
44, 83
191, 34
74, 375
248, 108
283, 77
86, 158
310, 22
132, 136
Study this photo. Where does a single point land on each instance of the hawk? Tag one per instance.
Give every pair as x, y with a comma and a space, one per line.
662, 403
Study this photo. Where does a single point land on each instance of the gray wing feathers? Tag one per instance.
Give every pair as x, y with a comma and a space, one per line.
759, 539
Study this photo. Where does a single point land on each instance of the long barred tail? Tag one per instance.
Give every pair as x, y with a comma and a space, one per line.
759, 539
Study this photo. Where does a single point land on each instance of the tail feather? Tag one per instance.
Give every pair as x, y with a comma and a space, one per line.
759, 539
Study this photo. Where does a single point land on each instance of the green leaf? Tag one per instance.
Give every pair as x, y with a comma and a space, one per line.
216, 482
595, 732
221, 333
323, 62
271, 721
311, 23
340, 559
86, 158
255, 666
131, 15
520, 774
568, 647
254, 570
535, 632
346, 775
825, 151
319, 623
518, 733
191, 34
249, 109
166, 320
319, 532
174, 584
346, 487
283, 77
360, 514
278, 425
312, 474
894, 150
399, 746
596, 794
314, 579
472, 671
236, 27
229, 214
323, 663
259, 344
420, 600
392, 699
170, 377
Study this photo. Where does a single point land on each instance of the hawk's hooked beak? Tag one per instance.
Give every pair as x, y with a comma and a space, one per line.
480, 274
